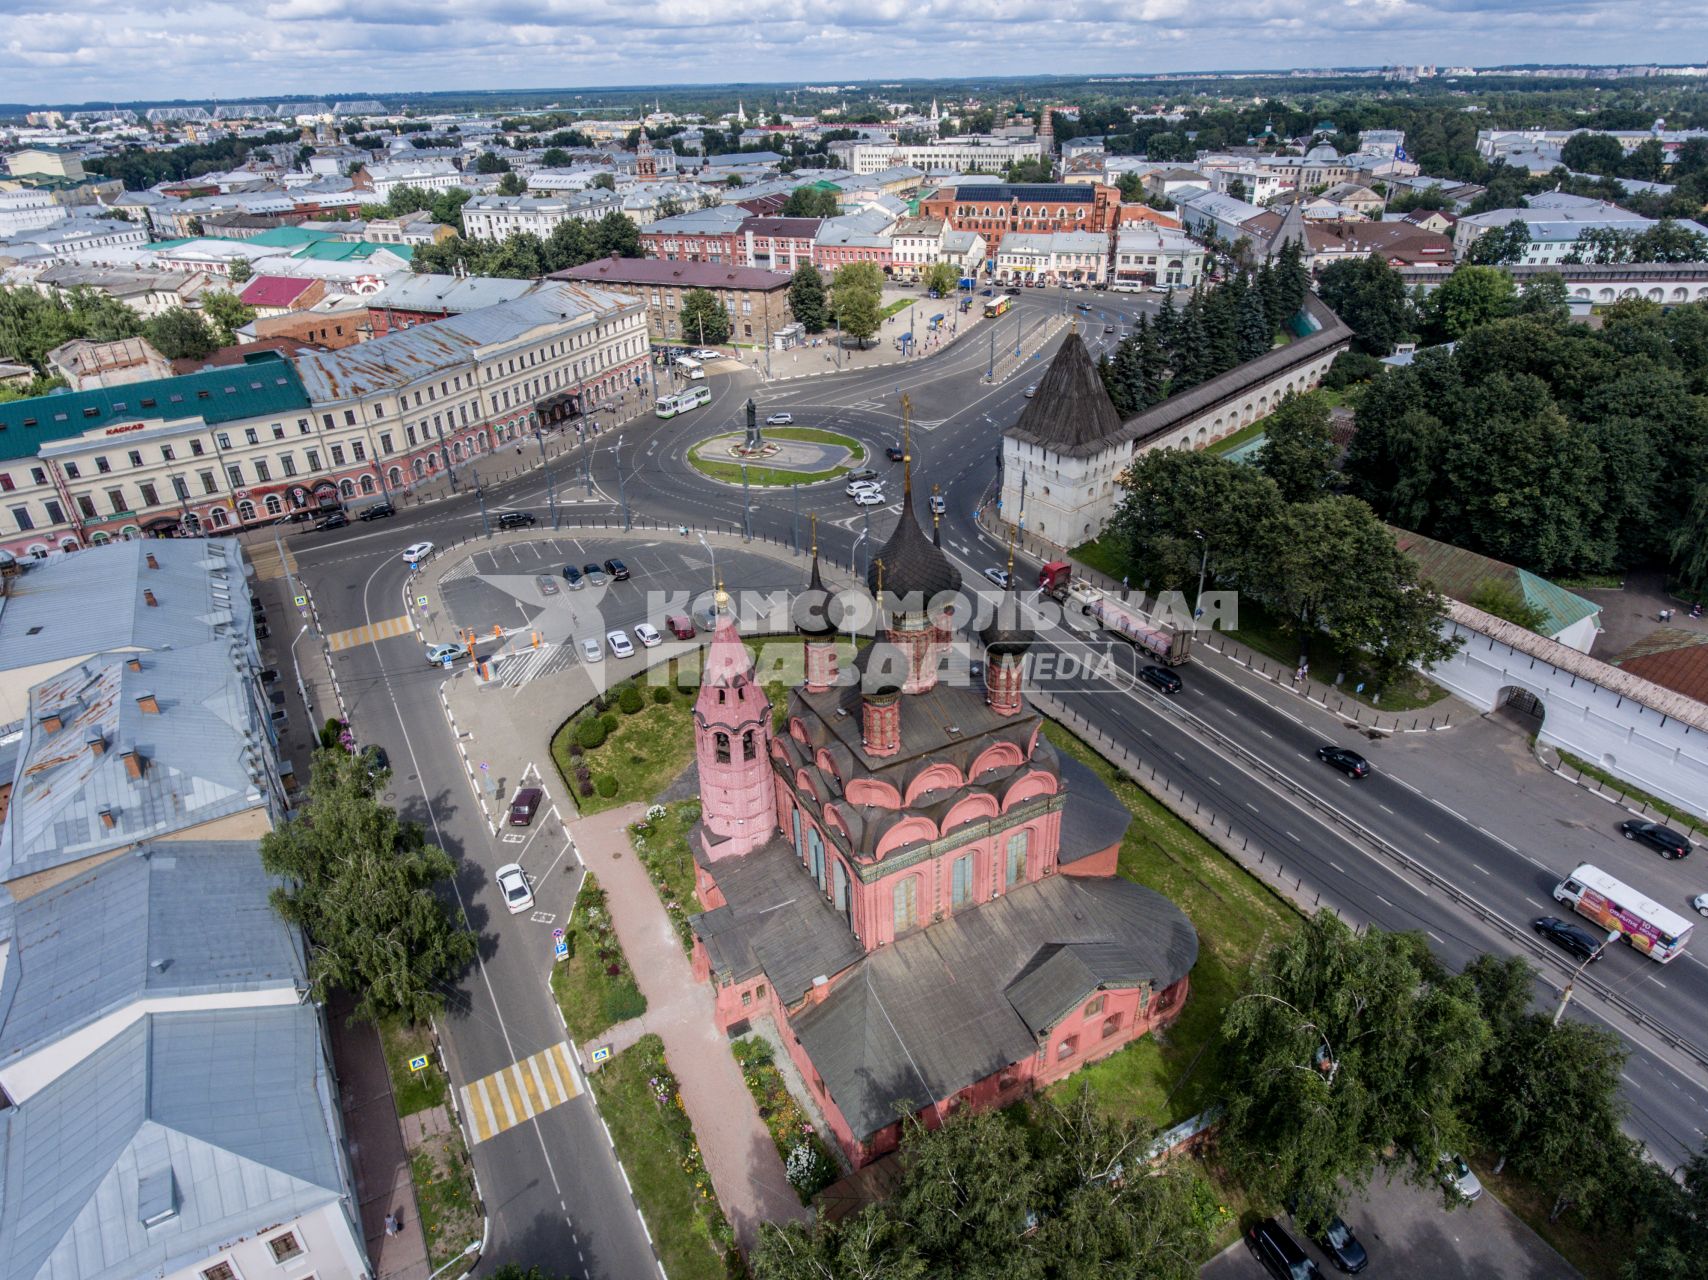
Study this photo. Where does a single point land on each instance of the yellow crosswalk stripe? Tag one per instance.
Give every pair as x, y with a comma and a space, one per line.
370, 632
268, 562
519, 1092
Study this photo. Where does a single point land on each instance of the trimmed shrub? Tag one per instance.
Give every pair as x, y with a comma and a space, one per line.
592, 732
586, 789
610, 723
629, 700
661, 695
607, 785
575, 751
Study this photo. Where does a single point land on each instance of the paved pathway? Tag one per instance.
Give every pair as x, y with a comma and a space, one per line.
739, 1153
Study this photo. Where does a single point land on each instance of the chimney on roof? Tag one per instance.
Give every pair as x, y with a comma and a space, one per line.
51, 722
107, 819
97, 743
133, 762
148, 704
149, 600
134, 663
152, 562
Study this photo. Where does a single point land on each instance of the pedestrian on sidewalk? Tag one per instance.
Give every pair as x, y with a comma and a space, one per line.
390, 1225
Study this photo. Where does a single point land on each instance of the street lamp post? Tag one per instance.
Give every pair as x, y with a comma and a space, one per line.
854, 557
746, 507
1566, 995
480, 496
1203, 564
622, 487
546, 466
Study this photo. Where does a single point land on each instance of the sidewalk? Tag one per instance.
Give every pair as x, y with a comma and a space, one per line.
384, 1184
740, 1156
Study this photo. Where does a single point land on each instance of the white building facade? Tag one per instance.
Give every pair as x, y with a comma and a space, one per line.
1146, 257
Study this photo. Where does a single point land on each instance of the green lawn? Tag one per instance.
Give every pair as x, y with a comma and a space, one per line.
444, 1197
1678, 817
593, 997
412, 1091
643, 753
1244, 435
662, 846
1101, 556
637, 1095
774, 477
1168, 1077
897, 307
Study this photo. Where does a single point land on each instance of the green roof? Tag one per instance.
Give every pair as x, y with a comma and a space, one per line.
1462, 574
266, 384
351, 250
288, 237
173, 244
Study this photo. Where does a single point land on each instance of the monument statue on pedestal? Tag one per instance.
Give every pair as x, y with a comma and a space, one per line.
755, 439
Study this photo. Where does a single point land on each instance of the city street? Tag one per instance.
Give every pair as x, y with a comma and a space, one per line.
1465, 802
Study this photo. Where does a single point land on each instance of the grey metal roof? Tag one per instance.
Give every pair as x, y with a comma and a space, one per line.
450, 294
93, 601
137, 927
427, 350
929, 1015
231, 1105
201, 752
1094, 817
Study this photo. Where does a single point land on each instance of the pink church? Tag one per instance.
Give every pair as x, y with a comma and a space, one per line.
909, 878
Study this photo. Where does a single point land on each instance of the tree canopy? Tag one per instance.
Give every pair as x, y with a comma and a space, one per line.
807, 300
360, 884
180, 334
526, 256
810, 202
704, 319
1369, 295
32, 324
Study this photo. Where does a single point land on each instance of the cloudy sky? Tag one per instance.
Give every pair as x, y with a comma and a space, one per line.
129, 49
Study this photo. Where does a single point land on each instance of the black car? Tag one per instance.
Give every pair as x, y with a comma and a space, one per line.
515, 519
1280, 1253
596, 575
572, 575
987, 293
335, 520
618, 570
377, 511
1667, 842
1350, 763
1012, 291
269, 676
893, 452
1160, 678
1342, 1247
1580, 942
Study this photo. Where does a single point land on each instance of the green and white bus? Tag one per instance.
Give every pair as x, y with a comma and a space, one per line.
695, 396
668, 406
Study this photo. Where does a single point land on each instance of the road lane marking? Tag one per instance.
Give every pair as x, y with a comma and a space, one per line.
369, 632
1481, 868
518, 1092
1431, 838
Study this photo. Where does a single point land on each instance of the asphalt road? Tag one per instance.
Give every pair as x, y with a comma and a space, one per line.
1501, 832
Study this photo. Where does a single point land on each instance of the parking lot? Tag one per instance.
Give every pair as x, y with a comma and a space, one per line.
1407, 1232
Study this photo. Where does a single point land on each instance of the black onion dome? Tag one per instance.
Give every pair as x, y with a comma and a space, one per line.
912, 565
1005, 635
883, 669
811, 609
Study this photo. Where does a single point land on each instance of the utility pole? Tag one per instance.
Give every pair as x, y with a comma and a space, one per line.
445, 456
746, 507
795, 489
545, 463
587, 462
990, 376
622, 488
1203, 564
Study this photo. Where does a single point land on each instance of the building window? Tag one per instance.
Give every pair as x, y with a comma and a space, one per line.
55, 513
71, 471
278, 431
961, 877
385, 442
1111, 1025
337, 455
251, 436
39, 476
284, 1247
135, 460
1018, 843
209, 484
116, 498
314, 459
287, 464
197, 448
22, 516
1068, 1047
358, 451
720, 747
906, 901
219, 1271
262, 472
150, 496
222, 440
86, 505
102, 465
234, 473
1094, 1007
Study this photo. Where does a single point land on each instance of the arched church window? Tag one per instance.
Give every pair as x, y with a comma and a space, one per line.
749, 748
720, 747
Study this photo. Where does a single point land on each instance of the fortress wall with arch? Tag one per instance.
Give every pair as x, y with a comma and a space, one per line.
1640, 731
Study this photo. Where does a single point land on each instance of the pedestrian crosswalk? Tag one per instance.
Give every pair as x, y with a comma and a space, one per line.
271, 560
519, 1092
370, 632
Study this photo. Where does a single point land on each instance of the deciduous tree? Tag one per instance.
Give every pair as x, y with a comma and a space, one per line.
1298, 450
1370, 296
179, 334
857, 313
1471, 297
704, 319
807, 300
226, 315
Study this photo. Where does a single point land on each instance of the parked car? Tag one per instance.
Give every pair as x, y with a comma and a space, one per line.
1108, 328
596, 575
546, 583
269, 676
1664, 840
1280, 1253
621, 647
513, 884
1457, 1176
1082, 306
524, 804
680, 625
1580, 942
1160, 678
573, 577
416, 552
1012, 291
377, 511
864, 473
868, 498
515, 519
705, 353
1342, 1247
987, 293
1350, 763
440, 654
592, 650
648, 635
618, 570
332, 520
998, 576
893, 452
779, 419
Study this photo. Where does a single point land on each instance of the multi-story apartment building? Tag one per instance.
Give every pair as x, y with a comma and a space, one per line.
971, 154
495, 217
757, 301
915, 244
995, 209
430, 175
1149, 256
1061, 257
229, 447
701, 235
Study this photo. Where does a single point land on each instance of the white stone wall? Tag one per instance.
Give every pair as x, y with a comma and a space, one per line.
1654, 751
1244, 409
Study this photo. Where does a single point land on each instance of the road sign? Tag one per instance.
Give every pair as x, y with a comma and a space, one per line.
421, 600
418, 1063
483, 766
601, 1053
300, 601
560, 945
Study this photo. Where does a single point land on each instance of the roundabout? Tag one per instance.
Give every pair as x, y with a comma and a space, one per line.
784, 456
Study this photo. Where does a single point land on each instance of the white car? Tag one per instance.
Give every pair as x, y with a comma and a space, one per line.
705, 353
1458, 1177
513, 884
620, 645
648, 635
998, 576
939, 504
1700, 902
868, 498
1031, 391
862, 486
592, 650
416, 552
696, 375
779, 419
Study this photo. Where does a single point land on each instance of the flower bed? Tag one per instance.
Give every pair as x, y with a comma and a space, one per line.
806, 1159
595, 987
661, 843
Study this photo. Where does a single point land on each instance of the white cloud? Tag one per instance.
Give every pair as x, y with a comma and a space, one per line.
110, 50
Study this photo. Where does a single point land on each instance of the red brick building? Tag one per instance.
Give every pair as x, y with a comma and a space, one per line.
994, 209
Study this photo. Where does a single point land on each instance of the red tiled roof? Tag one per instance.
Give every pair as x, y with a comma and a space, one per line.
273, 291
1683, 669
